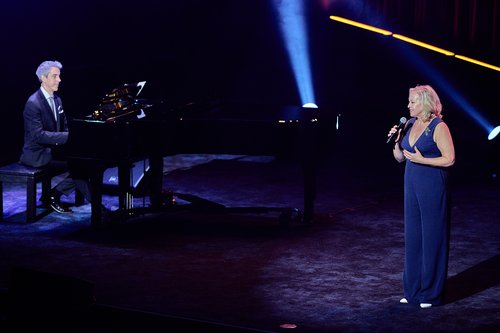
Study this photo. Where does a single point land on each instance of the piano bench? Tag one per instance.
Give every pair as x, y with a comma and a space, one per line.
30, 177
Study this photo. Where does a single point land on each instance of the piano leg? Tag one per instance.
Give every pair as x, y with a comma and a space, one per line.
125, 200
309, 160
156, 184
309, 190
96, 203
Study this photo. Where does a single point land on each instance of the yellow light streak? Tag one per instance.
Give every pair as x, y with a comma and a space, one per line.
419, 43
413, 41
477, 62
361, 25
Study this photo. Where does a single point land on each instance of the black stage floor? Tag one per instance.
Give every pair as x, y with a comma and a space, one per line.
182, 271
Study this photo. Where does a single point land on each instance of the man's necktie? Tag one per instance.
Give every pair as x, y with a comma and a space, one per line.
53, 106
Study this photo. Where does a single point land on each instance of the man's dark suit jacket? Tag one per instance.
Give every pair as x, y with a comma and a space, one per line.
41, 130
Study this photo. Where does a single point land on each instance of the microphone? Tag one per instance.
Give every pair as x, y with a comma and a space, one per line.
402, 122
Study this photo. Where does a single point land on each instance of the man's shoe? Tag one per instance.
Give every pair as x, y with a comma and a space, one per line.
58, 207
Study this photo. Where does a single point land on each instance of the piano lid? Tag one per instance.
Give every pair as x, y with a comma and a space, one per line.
121, 102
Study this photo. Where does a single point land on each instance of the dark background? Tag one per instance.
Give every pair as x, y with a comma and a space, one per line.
231, 50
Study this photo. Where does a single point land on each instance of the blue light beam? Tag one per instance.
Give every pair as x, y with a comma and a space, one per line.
293, 28
444, 85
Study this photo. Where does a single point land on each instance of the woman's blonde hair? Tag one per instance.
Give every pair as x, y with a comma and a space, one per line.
431, 105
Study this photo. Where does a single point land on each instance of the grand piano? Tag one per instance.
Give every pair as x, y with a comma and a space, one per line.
119, 136
125, 131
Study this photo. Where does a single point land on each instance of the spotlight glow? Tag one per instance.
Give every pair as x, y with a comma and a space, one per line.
310, 106
494, 133
293, 28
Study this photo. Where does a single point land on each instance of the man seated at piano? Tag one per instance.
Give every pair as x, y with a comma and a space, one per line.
46, 132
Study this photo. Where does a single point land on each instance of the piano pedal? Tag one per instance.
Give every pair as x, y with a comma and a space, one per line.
168, 199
